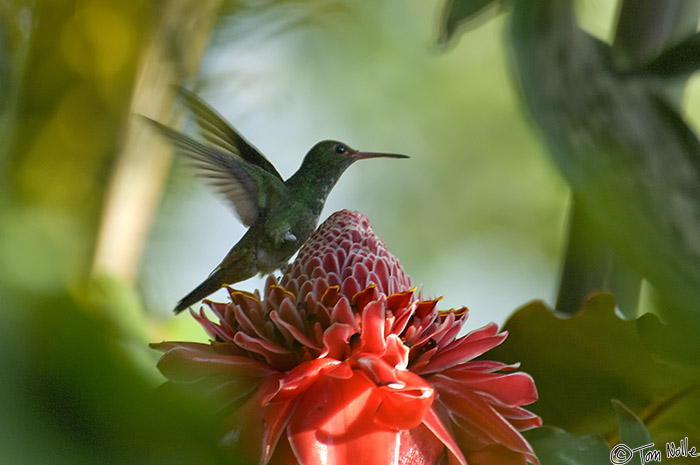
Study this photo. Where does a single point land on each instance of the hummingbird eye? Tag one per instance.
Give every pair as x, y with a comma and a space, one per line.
340, 149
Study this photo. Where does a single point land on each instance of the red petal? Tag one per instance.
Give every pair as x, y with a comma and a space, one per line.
477, 421
380, 274
378, 371
298, 333
342, 313
437, 427
225, 332
399, 300
486, 331
311, 266
361, 274
249, 321
362, 298
192, 362
507, 389
396, 352
372, 336
300, 378
311, 289
255, 428
426, 307
334, 424
520, 418
341, 371
402, 316
245, 299
335, 341
330, 263
330, 296
277, 294
350, 286
275, 355
405, 408
490, 366
342, 256
420, 356
288, 311
462, 350
229, 391
452, 322
419, 446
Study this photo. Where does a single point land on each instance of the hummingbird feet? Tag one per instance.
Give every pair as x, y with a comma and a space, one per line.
288, 237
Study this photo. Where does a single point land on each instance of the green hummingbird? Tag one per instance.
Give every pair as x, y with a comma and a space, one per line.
281, 215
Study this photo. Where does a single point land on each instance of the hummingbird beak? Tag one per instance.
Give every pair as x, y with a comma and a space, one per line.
362, 155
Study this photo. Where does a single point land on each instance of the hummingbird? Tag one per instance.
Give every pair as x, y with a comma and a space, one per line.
280, 215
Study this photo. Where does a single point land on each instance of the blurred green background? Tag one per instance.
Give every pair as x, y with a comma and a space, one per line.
477, 214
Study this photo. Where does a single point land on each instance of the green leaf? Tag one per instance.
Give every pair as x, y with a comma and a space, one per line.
634, 437
679, 60
633, 162
554, 446
461, 13
582, 362
633, 433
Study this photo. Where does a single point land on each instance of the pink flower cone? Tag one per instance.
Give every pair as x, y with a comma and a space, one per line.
341, 363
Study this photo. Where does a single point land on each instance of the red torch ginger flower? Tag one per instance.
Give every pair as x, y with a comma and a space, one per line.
341, 363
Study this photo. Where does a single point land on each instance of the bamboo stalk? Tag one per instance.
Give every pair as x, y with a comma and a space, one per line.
171, 56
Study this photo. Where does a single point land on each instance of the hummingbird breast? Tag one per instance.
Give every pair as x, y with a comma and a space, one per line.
266, 263
286, 233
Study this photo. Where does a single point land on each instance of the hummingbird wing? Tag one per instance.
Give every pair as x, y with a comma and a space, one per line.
232, 177
220, 134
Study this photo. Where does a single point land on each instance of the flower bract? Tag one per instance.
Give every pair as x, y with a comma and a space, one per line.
342, 361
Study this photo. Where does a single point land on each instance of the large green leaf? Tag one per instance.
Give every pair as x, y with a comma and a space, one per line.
555, 446
628, 155
583, 362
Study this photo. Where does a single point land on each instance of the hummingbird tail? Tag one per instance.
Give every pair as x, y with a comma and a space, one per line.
210, 285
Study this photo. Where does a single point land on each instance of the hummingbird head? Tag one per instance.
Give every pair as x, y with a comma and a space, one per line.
326, 162
334, 157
